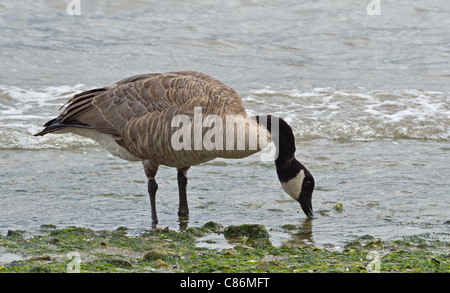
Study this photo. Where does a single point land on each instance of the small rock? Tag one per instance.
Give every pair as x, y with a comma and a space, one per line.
227, 251
121, 228
275, 263
436, 261
318, 248
120, 262
155, 254
103, 243
242, 246
15, 233
43, 257
262, 265
328, 245
160, 263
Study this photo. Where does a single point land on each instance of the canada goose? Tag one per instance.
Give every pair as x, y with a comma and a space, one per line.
134, 119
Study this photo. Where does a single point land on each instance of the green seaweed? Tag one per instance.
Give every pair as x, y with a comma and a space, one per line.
163, 250
248, 230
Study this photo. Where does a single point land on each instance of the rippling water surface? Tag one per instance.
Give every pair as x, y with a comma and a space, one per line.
367, 96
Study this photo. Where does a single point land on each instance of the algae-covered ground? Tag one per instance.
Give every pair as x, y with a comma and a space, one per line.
76, 249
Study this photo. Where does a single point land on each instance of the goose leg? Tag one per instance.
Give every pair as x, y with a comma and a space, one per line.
183, 210
152, 188
150, 171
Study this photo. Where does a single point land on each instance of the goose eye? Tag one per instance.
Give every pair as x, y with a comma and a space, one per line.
308, 183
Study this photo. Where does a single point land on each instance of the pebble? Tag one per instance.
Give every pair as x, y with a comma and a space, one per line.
42, 257
262, 265
227, 251
242, 246
120, 262
160, 263
155, 254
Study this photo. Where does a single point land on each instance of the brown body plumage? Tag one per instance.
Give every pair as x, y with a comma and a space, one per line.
137, 113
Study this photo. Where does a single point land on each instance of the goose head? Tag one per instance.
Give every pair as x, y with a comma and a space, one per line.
295, 179
298, 182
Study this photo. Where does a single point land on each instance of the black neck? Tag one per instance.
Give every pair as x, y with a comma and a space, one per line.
283, 138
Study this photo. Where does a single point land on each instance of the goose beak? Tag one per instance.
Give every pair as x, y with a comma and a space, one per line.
306, 205
307, 210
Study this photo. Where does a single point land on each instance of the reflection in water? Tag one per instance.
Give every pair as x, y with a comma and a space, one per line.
183, 223
303, 235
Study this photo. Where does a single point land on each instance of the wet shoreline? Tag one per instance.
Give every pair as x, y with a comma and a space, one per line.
83, 250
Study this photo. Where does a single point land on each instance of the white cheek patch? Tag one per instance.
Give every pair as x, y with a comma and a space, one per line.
294, 186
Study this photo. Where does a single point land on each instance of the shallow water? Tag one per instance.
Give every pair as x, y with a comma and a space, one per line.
388, 189
7, 257
367, 96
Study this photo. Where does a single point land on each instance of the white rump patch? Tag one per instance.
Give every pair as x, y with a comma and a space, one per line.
105, 140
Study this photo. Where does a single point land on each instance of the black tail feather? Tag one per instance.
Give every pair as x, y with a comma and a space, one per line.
55, 124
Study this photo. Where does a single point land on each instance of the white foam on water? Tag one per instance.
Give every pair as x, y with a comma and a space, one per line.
23, 112
321, 113
357, 114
